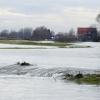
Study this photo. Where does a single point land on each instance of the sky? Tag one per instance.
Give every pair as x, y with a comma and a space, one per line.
58, 15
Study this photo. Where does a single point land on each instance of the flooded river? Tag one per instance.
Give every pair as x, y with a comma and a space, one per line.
25, 87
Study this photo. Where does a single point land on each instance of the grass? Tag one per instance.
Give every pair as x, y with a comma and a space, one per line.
90, 79
93, 79
39, 43
26, 42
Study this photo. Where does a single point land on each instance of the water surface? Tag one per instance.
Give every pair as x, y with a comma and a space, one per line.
25, 87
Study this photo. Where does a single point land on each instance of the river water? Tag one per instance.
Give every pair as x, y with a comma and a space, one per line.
13, 87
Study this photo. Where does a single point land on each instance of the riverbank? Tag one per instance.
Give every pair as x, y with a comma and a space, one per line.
39, 44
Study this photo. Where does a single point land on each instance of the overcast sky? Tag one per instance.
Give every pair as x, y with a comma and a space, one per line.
59, 15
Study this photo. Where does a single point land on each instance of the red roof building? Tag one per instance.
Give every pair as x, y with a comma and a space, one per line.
87, 34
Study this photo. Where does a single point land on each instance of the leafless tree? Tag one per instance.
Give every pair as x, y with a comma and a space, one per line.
98, 18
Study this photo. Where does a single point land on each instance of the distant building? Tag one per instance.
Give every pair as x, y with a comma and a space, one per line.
87, 34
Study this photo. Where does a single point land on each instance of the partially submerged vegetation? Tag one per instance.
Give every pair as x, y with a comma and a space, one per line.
23, 63
84, 79
40, 43
22, 68
26, 42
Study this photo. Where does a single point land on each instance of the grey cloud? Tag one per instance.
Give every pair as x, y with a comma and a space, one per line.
45, 6
19, 12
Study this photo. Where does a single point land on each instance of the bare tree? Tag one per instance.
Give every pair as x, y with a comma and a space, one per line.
98, 18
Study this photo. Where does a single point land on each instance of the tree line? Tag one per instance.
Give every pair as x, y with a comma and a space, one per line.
38, 34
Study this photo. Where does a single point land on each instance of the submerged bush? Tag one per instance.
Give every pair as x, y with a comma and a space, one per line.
91, 79
23, 63
77, 76
87, 79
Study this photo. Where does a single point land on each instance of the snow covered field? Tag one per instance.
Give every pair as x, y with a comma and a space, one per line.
24, 87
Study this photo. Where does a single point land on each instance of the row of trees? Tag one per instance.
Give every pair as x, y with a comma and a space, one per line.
21, 34
40, 33
66, 37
